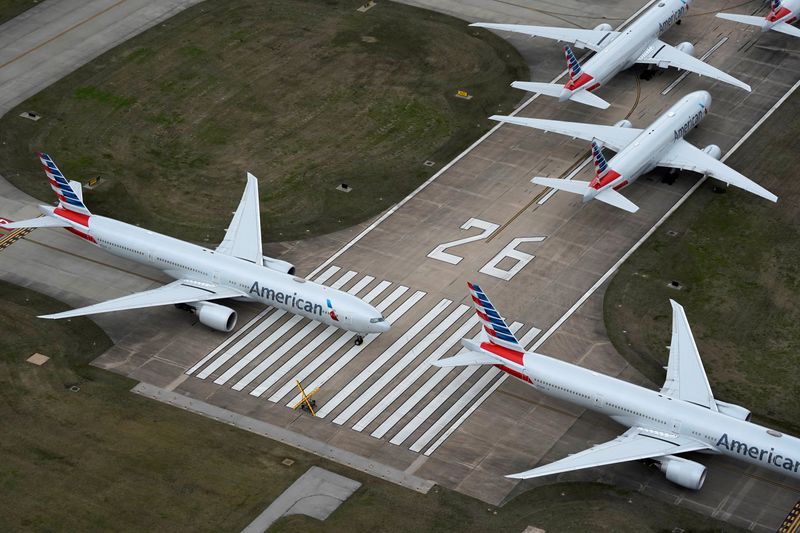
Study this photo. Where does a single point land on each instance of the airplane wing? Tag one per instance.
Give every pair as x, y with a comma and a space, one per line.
664, 55
633, 445
592, 39
684, 156
243, 236
686, 377
177, 292
614, 137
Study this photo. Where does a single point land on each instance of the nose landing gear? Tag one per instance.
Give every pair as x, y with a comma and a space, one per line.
359, 340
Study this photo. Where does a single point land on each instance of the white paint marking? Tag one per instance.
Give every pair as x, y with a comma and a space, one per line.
641, 241
355, 350
270, 340
252, 334
686, 72
511, 251
330, 330
387, 376
291, 343
395, 393
442, 397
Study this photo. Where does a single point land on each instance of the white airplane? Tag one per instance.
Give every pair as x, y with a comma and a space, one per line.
639, 151
780, 17
682, 417
235, 269
617, 51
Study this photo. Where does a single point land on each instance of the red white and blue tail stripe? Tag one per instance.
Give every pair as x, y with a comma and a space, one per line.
577, 77
600, 163
493, 324
573, 65
67, 197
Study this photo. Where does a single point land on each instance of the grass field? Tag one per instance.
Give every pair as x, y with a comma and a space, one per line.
105, 459
11, 8
306, 94
738, 258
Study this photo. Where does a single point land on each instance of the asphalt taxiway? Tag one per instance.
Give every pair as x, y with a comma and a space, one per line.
542, 257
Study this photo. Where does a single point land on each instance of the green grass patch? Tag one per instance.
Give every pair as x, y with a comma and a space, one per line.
105, 459
305, 94
11, 8
738, 258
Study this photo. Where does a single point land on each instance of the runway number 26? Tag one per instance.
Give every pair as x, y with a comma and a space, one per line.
491, 268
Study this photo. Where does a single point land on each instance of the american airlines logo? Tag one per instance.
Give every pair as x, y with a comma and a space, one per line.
674, 17
754, 452
693, 121
287, 299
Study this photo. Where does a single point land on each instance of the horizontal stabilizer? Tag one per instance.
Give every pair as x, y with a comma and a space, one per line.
39, 222
555, 90
573, 186
612, 197
467, 359
744, 19
788, 29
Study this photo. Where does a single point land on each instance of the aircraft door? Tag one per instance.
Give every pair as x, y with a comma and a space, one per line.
676, 426
598, 401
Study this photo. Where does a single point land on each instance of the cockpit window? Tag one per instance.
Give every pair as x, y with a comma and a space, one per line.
376, 320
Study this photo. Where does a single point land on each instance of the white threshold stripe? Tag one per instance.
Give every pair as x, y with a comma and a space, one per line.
456, 408
255, 332
466, 414
686, 72
403, 386
401, 365
350, 354
639, 243
381, 360
442, 397
458, 158
312, 366
292, 342
467, 397
270, 340
315, 343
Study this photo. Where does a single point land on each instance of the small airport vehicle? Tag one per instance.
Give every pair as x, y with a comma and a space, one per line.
782, 13
682, 417
639, 151
617, 51
236, 269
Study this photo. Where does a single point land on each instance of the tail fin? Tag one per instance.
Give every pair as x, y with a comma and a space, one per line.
775, 5
70, 195
573, 65
600, 163
494, 325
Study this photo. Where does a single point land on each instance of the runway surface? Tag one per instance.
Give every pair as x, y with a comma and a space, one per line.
542, 257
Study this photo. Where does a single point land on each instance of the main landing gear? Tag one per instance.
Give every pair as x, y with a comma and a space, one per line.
359, 340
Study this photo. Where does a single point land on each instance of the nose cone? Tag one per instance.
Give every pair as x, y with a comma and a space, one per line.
380, 327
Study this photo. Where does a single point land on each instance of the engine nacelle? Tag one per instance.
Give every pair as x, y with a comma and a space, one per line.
686, 47
277, 265
215, 316
623, 124
713, 150
734, 411
603, 27
683, 472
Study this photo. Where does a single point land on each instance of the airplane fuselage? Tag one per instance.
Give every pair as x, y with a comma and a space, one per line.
628, 46
635, 406
182, 260
642, 155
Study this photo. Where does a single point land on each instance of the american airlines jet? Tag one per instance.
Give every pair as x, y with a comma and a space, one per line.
639, 151
780, 17
617, 51
682, 417
235, 269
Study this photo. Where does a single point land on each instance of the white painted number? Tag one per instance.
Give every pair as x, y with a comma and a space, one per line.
511, 251
439, 252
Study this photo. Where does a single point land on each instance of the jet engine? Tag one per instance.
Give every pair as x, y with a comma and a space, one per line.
713, 150
214, 316
686, 47
734, 411
683, 472
277, 265
603, 27
623, 124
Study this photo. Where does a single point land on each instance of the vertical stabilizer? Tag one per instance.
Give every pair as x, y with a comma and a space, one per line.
68, 197
495, 327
